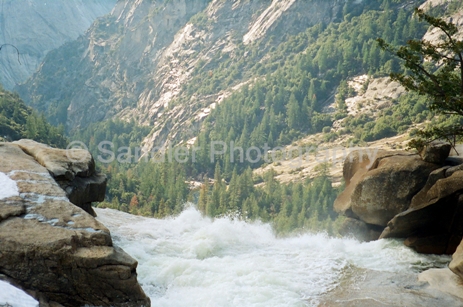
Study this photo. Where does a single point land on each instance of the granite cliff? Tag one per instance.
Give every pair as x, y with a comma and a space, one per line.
35, 28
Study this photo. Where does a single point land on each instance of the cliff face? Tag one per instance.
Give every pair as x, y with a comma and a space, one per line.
35, 28
139, 61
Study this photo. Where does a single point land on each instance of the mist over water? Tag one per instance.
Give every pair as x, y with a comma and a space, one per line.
191, 260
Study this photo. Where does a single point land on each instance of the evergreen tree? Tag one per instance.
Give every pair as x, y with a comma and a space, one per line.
294, 113
434, 70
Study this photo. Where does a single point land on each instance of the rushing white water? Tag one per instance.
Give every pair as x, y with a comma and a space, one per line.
195, 261
11, 296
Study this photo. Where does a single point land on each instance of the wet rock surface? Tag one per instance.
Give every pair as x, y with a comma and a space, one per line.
368, 288
456, 266
443, 280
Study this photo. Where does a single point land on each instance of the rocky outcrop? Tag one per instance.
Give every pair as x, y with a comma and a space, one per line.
381, 185
432, 224
356, 164
425, 191
435, 152
73, 170
428, 190
51, 248
388, 187
405, 195
35, 27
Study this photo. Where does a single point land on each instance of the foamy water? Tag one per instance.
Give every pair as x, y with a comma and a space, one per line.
195, 261
8, 187
11, 296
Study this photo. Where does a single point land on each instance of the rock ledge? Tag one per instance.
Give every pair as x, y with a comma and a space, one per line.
53, 249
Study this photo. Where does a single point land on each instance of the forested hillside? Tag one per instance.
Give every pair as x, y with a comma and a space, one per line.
20, 121
288, 103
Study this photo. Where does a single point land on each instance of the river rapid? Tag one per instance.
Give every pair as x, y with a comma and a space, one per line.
191, 260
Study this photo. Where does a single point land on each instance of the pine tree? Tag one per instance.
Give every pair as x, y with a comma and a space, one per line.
203, 195
234, 192
434, 70
211, 207
293, 113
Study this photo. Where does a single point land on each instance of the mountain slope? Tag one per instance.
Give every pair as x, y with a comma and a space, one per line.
35, 27
168, 64
147, 60
19, 121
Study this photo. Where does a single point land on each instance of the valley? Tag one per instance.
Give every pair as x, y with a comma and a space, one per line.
263, 136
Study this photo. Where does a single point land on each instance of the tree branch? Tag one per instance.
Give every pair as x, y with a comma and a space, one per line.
455, 48
17, 51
